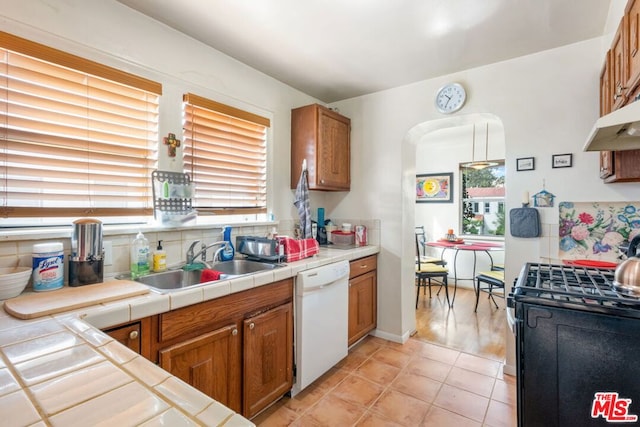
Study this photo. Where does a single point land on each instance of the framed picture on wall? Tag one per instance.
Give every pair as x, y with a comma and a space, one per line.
434, 188
525, 164
561, 160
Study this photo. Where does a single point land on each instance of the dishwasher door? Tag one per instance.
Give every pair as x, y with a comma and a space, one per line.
322, 321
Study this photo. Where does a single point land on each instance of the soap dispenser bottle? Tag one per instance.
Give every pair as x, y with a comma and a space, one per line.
139, 256
228, 252
159, 258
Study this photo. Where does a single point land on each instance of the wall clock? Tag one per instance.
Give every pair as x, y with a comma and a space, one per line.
450, 98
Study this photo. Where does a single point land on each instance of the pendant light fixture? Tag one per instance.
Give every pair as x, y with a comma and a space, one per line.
479, 164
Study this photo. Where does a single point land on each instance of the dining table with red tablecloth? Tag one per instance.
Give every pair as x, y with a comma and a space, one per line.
460, 245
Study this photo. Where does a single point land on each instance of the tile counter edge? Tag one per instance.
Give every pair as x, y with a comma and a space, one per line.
77, 346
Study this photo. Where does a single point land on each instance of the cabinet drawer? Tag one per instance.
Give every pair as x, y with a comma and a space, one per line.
200, 318
362, 265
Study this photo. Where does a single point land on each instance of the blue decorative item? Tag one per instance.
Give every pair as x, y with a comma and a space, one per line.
228, 252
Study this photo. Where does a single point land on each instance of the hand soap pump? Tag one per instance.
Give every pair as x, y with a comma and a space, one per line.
228, 252
159, 258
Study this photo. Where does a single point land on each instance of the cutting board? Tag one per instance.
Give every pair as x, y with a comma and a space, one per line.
38, 304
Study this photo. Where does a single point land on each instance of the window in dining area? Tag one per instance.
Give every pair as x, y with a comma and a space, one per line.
483, 191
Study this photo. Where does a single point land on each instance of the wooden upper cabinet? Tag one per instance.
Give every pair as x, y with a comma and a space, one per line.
322, 137
619, 67
632, 40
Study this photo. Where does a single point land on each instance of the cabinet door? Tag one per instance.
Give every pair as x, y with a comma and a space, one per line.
268, 358
210, 363
633, 41
362, 306
618, 68
333, 160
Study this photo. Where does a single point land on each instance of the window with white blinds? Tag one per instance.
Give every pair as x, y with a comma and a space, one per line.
225, 152
77, 138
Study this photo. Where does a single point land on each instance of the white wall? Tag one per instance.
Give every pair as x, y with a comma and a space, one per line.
111, 33
547, 103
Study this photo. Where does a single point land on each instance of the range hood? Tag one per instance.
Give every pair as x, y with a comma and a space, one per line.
617, 131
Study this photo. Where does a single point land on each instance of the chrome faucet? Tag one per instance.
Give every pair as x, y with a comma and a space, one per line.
191, 257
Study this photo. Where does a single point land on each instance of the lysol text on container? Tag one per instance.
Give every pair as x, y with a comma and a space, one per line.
48, 266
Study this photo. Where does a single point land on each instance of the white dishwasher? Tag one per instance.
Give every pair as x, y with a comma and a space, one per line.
322, 321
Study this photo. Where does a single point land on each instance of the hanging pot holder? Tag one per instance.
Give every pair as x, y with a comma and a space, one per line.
524, 222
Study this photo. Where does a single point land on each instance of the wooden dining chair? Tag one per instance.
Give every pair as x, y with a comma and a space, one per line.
489, 281
426, 271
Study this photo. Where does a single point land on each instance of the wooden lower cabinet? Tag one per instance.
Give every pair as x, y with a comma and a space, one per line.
268, 358
209, 363
237, 349
363, 300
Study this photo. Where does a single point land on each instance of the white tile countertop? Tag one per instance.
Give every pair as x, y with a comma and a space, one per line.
61, 370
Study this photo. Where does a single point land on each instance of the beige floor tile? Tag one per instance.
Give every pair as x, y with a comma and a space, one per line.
401, 408
357, 390
420, 387
332, 411
501, 415
275, 416
441, 354
471, 381
410, 347
462, 402
392, 357
378, 372
429, 368
352, 361
331, 379
504, 392
478, 364
438, 417
305, 399
368, 347
371, 419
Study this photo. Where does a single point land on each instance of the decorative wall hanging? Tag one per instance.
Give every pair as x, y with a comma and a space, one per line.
434, 188
172, 143
595, 230
561, 160
543, 199
525, 164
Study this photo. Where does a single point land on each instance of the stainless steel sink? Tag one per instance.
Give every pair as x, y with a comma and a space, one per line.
239, 267
174, 280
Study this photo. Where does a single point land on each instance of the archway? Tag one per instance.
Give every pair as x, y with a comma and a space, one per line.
420, 134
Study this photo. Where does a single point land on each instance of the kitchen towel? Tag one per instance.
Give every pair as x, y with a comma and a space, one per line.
524, 222
302, 202
295, 250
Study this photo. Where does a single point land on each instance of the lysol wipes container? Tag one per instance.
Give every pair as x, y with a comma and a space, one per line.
48, 267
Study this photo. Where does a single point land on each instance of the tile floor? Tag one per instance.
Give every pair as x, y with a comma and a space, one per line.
381, 383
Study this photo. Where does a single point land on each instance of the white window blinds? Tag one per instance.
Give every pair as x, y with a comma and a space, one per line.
225, 152
76, 137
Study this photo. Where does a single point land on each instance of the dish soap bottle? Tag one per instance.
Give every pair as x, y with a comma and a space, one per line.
228, 252
139, 256
159, 258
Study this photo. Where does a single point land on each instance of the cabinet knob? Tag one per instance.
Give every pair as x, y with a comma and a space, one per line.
133, 335
252, 325
322, 181
234, 332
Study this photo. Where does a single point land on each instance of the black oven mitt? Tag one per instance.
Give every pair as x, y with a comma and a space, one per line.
524, 222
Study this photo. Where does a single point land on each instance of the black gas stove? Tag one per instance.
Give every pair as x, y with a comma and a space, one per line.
577, 342
575, 287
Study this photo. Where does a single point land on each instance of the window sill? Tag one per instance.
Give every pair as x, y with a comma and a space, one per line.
41, 233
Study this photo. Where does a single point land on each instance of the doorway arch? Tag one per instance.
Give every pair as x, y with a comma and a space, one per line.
417, 135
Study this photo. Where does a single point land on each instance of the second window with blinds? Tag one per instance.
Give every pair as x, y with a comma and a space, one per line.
225, 153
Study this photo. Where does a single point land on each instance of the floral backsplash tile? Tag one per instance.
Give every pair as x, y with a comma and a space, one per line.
595, 230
